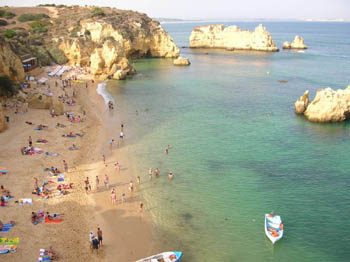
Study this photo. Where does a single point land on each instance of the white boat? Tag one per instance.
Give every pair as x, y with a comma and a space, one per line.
172, 256
273, 227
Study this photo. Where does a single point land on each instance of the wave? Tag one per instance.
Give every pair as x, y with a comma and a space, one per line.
102, 91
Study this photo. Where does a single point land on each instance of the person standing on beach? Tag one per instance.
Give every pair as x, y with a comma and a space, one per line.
121, 135
122, 127
106, 181
87, 185
150, 172
117, 166
131, 186
104, 159
99, 236
30, 141
65, 166
138, 180
95, 244
111, 144
97, 183
113, 196
141, 207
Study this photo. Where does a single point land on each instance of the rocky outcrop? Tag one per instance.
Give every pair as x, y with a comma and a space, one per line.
217, 36
106, 48
3, 124
181, 61
302, 103
10, 63
42, 101
298, 43
329, 106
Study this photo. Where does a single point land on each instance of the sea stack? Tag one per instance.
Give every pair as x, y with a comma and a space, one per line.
298, 43
327, 106
181, 61
231, 38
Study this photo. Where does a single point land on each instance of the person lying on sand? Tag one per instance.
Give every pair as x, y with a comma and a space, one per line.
73, 147
2, 189
29, 123
59, 125
34, 218
70, 134
52, 253
2, 202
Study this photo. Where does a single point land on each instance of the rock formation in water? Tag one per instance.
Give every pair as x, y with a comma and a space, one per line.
302, 103
181, 61
10, 64
104, 39
327, 106
298, 43
230, 38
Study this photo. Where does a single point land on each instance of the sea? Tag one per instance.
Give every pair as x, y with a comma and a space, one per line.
238, 150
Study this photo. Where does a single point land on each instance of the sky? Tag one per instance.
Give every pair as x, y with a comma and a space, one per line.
217, 9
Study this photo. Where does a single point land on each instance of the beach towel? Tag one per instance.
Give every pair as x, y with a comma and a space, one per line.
60, 178
52, 221
9, 241
44, 259
8, 198
42, 141
38, 150
23, 201
51, 154
3, 170
5, 229
7, 249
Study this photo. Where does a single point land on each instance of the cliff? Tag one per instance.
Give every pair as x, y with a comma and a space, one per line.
10, 64
217, 36
298, 43
327, 106
104, 39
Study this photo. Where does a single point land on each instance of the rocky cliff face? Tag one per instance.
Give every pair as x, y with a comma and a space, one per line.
106, 46
327, 106
298, 43
3, 125
10, 64
217, 36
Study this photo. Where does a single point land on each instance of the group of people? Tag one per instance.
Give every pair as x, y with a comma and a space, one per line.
95, 242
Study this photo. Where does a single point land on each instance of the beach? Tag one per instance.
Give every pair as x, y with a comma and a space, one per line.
126, 231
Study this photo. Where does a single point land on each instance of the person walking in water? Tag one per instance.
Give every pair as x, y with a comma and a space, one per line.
150, 172
156, 172
131, 186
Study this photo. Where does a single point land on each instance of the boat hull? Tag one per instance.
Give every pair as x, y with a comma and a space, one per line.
273, 224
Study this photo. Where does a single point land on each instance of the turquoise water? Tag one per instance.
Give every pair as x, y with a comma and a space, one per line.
239, 150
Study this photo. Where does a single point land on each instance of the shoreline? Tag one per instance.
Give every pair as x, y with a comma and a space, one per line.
82, 212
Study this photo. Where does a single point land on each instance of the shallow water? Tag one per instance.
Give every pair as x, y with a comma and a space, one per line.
239, 150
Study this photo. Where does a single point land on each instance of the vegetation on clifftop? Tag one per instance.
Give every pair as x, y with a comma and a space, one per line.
6, 14
31, 17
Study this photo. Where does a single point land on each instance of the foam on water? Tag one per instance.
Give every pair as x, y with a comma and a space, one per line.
102, 91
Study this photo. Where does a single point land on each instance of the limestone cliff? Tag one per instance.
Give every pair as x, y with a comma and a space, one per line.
298, 43
107, 45
3, 125
302, 103
181, 61
329, 106
217, 36
10, 63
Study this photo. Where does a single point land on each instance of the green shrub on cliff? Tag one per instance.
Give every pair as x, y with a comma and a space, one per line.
6, 14
7, 87
31, 17
9, 33
39, 26
43, 56
97, 12
3, 22
58, 56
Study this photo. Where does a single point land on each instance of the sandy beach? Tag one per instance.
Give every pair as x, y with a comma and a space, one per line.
127, 233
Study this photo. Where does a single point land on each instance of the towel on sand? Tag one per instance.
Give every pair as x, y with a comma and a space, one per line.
23, 201
51, 154
7, 249
52, 221
9, 241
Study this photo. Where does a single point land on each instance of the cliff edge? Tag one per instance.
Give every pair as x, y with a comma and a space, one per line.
217, 36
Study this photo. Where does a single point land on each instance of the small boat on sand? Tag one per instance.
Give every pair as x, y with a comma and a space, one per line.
172, 256
273, 227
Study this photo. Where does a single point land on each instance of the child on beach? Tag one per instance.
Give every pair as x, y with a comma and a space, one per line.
156, 172
117, 166
65, 166
150, 172
123, 197
113, 196
131, 186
